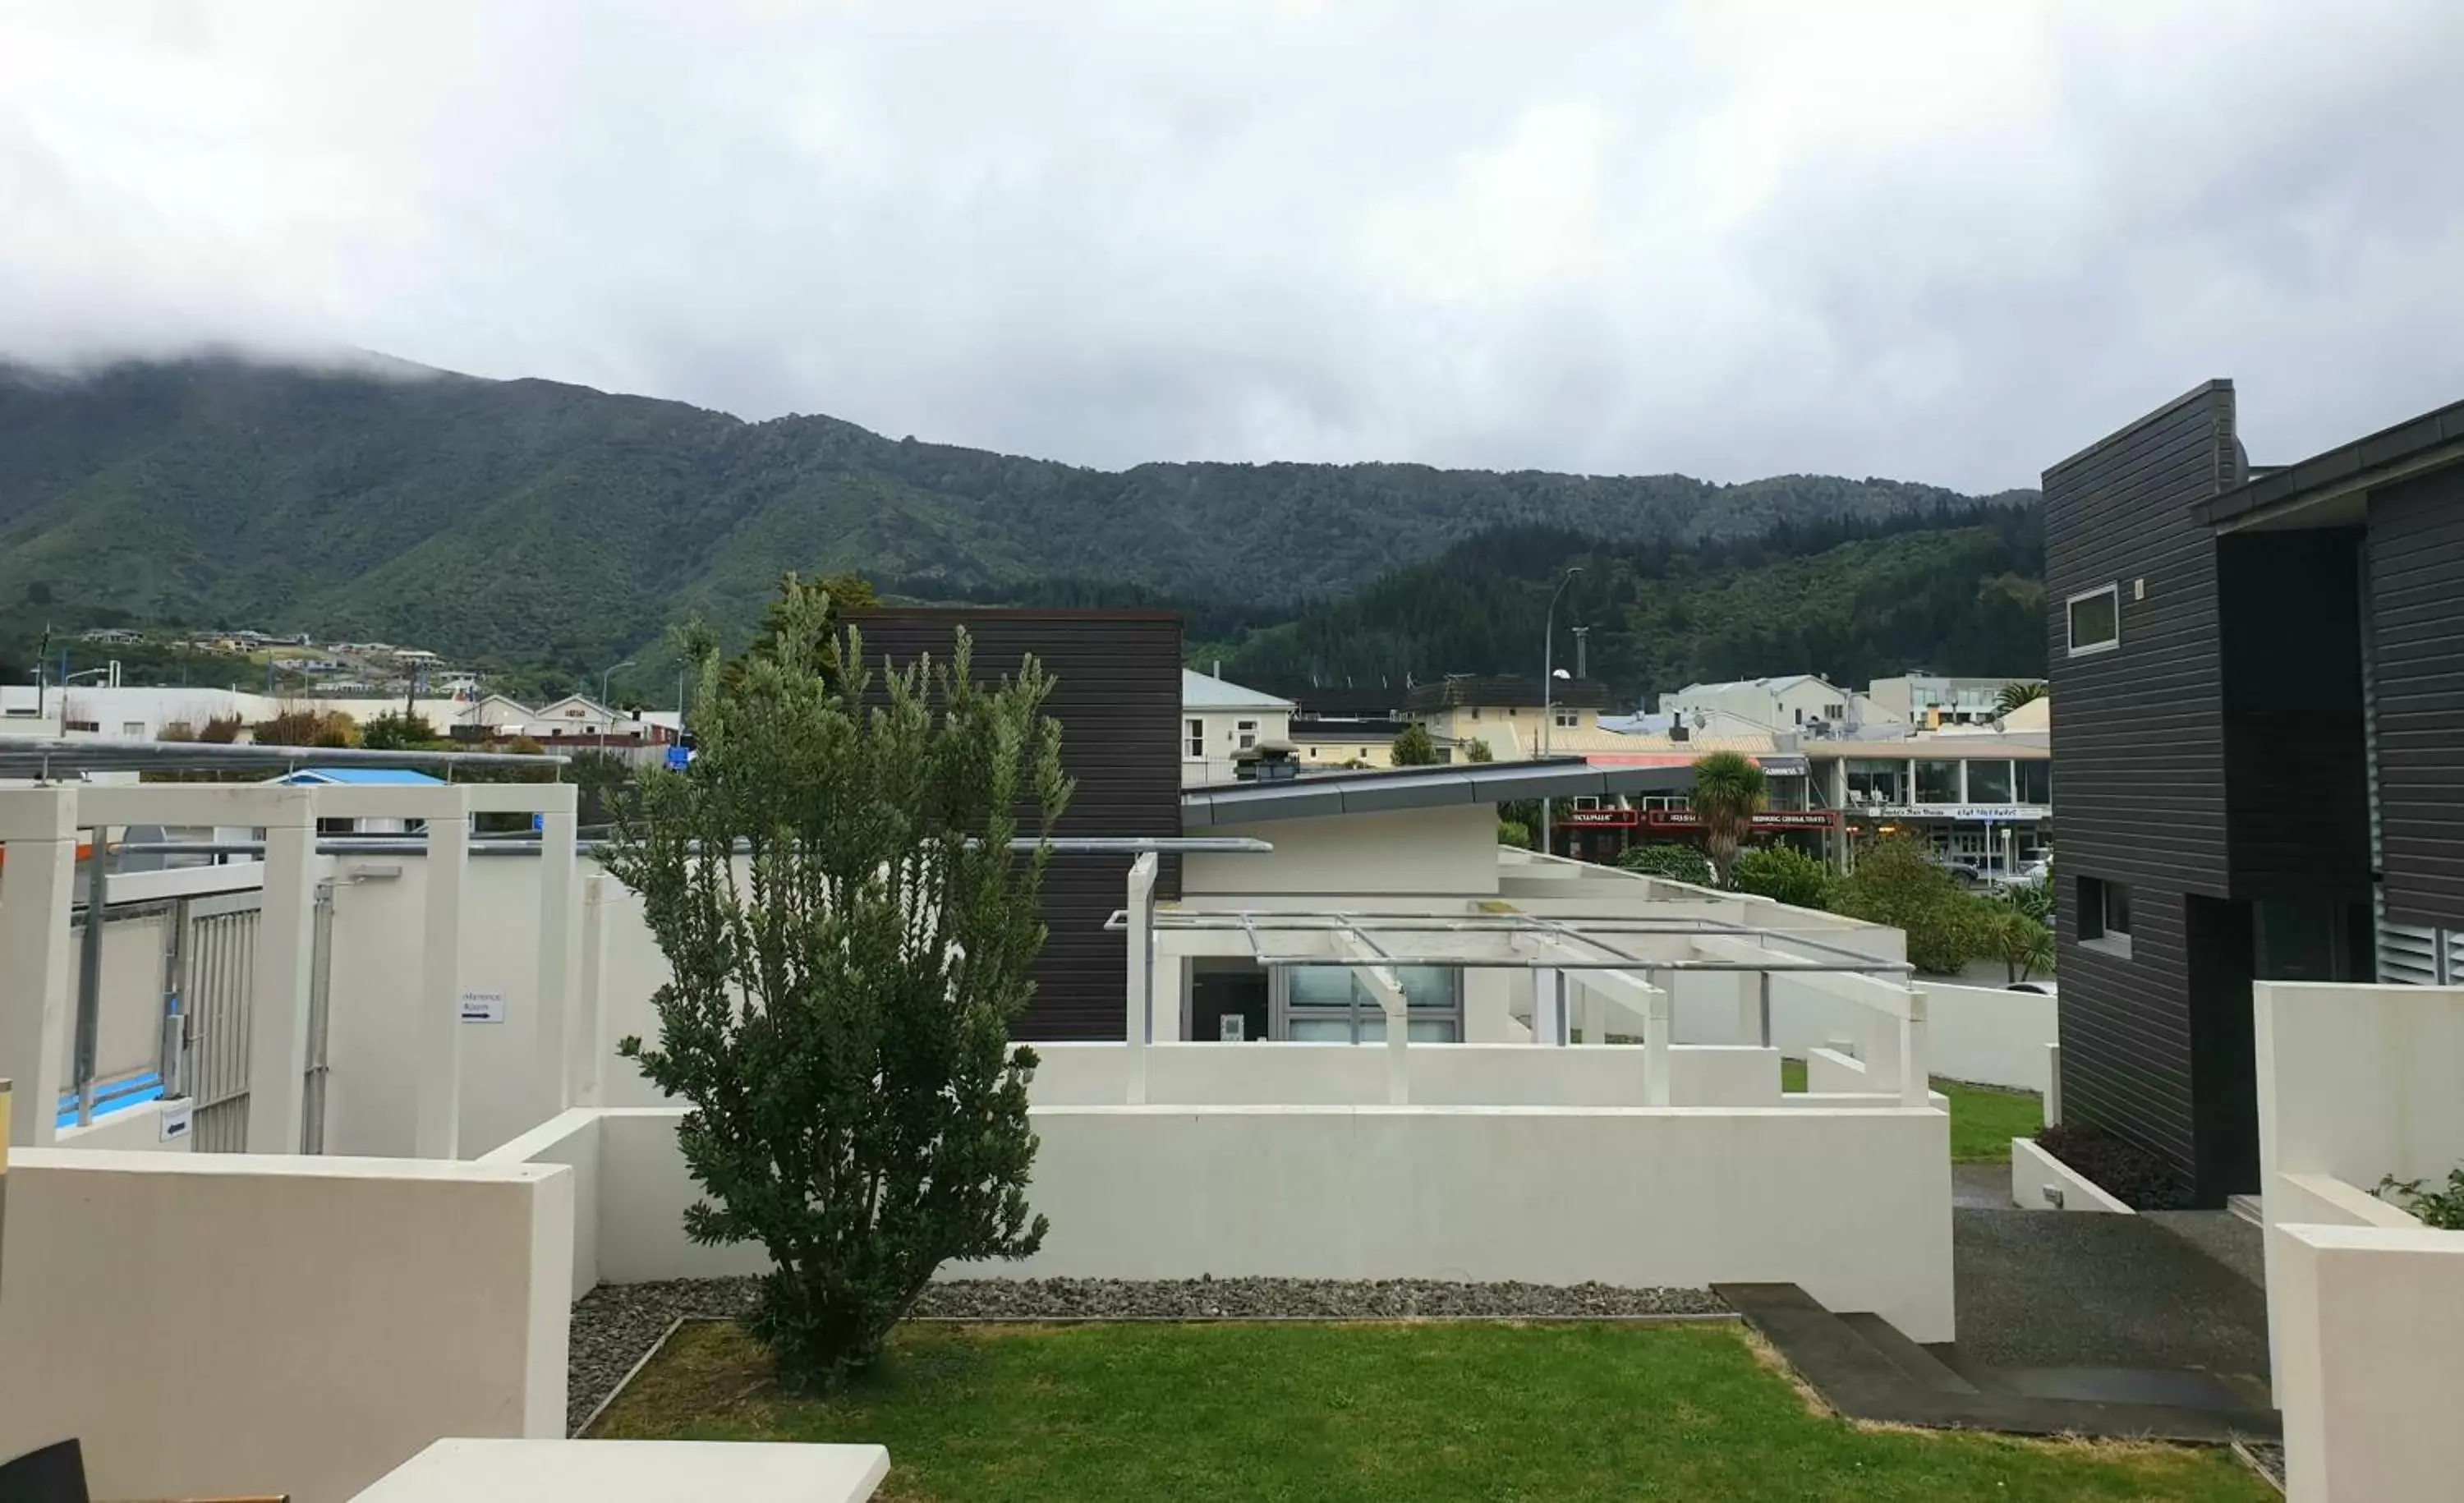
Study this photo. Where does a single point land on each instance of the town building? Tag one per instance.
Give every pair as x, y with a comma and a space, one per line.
1935, 699
2218, 830
1517, 717
1221, 720
1790, 701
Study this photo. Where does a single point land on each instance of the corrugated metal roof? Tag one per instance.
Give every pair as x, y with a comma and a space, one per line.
1419, 787
360, 777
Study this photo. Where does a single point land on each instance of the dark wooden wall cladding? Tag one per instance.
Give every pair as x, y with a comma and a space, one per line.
2139, 752
1117, 697
2416, 618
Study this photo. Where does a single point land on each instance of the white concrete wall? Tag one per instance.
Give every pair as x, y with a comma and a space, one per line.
570, 1139
2356, 1083
1451, 850
220, 1323
372, 1100
1990, 1037
2369, 1358
2033, 1172
1852, 1205
1442, 1074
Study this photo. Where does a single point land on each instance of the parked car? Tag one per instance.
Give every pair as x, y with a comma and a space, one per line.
2040, 988
1966, 871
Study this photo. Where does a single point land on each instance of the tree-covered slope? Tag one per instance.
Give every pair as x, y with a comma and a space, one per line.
550, 522
1957, 590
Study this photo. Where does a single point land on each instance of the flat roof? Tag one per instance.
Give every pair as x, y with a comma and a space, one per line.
1381, 790
2430, 441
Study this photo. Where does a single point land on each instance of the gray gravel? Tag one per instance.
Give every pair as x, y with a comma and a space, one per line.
616, 1324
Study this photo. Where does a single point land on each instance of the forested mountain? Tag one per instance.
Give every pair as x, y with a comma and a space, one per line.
1955, 591
529, 521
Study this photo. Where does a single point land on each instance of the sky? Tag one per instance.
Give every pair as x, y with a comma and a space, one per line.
1944, 242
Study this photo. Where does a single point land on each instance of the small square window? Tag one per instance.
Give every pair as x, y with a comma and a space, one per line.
1245, 734
1568, 719
2104, 915
2095, 620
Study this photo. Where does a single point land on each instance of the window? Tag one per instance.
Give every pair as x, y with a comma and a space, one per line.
1197, 738
1835, 712
2096, 620
1243, 736
2036, 779
2104, 915
134, 730
1989, 783
1328, 1005
1568, 719
1475, 711
1937, 782
1871, 782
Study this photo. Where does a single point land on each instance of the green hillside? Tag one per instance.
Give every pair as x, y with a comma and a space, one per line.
531, 522
1957, 590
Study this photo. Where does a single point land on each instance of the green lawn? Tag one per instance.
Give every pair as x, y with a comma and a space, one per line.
1983, 1121
1349, 1414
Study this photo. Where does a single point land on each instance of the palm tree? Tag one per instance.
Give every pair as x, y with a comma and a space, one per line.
2018, 693
1728, 792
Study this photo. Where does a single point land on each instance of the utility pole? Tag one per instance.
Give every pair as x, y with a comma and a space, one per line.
1548, 696
1582, 652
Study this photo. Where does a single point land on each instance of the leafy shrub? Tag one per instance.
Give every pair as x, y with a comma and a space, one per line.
1898, 882
1478, 750
220, 731
397, 731
1514, 832
1413, 748
2443, 1210
2126, 1171
1783, 874
838, 1017
1667, 858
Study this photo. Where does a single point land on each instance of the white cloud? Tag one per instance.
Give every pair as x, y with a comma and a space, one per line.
1946, 241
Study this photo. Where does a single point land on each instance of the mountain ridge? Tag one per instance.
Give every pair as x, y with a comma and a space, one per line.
547, 520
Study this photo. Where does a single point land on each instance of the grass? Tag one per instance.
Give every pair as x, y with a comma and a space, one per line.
1983, 1121
1366, 1414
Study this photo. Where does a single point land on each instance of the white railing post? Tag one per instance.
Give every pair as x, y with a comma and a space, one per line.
1548, 1006
585, 1031
1595, 1015
1138, 1022
1660, 1021
1915, 1086
550, 1056
38, 880
284, 966
2053, 1085
437, 1047
1398, 1042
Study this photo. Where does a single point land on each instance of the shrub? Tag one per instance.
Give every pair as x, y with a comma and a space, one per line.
1413, 748
1674, 862
397, 731
839, 1010
1514, 832
2023, 945
1730, 791
1783, 874
220, 731
2443, 1210
1478, 750
2126, 1171
1897, 882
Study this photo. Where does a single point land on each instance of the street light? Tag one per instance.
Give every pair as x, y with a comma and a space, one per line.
602, 678
1548, 694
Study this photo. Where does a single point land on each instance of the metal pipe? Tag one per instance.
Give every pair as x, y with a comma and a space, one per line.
77, 751
173, 1062
528, 844
89, 1000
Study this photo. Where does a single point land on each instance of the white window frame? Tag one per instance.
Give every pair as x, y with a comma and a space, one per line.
2070, 616
1194, 741
1568, 719
1244, 735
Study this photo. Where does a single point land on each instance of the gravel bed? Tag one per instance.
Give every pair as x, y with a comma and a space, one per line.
616, 1324
2264, 1457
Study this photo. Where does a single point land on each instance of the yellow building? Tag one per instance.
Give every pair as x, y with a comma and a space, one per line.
1509, 713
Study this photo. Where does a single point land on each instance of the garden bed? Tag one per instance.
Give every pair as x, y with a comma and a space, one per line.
1350, 1413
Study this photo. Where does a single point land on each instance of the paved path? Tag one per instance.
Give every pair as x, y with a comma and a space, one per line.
2052, 1289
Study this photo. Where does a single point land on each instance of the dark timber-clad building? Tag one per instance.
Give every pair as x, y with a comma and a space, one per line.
2258, 727
1117, 697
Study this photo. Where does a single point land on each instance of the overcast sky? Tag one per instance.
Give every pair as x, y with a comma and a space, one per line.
1942, 242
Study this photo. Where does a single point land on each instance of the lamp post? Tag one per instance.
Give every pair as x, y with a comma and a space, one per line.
602, 678
1548, 695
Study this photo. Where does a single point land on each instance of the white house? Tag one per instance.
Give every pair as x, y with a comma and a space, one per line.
1219, 719
1788, 702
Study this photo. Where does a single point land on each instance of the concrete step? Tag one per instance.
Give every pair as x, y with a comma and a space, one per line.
1866, 1370
1918, 1365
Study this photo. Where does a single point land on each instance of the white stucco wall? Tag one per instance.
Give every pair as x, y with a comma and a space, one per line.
1852, 1205
570, 1139
1443, 1074
2033, 1172
220, 1323
1450, 849
137, 1129
2369, 1356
